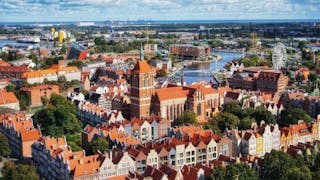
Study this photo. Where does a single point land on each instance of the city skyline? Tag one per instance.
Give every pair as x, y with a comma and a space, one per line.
100, 10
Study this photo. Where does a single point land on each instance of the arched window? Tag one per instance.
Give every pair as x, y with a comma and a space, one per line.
199, 109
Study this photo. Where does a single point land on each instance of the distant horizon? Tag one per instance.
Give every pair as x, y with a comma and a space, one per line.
173, 21
99, 10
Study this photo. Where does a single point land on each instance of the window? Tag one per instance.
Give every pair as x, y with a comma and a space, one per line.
199, 109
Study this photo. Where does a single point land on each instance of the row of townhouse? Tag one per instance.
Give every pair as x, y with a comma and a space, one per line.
55, 160
94, 114
129, 132
261, 140
165, 172
179, 152
255, 142
117, 138
20, 133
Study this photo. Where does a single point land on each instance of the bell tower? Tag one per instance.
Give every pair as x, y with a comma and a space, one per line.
142, 88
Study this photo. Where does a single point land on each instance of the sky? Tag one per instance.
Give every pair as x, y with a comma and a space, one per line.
100, 10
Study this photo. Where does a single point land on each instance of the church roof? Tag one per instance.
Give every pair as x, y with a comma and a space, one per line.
142, 67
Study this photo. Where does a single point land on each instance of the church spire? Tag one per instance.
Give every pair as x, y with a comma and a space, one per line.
141, 53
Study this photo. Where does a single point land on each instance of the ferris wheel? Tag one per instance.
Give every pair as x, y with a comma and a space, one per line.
279, 56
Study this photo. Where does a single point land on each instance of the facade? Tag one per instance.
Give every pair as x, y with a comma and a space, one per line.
189, 51
9, 100
116, 163
311, 104
52, 74
170, 102
14, 72
257, 79
37, 92
272, 81
95, 114
142, 88
20, 133
55, 160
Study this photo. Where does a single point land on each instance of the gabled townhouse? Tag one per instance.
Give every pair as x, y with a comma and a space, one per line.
286, 138
193, 173
117, 164
121, 134
20, 132
94, 114
206, 148
55, 160
224, 145
259, 144
171, 173
154, 173
248, 144
235, 137
190, 154
275, 135
140, 159
300, 133
265, 131
163, 155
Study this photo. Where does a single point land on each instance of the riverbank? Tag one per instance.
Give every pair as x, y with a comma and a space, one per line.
203, 71
213, 60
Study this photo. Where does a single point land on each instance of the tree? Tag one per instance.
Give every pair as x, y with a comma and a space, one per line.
62, 79
280, 165
241, 172
261, 113
293, 115
58, 117
63, 50
234, 171
235, 108
162, 73
312, 77
5, 148
246, 123
19, 172
218, 173
99, 144
302, 173
187, 117
225, 120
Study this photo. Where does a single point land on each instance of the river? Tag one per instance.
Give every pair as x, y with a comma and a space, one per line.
202, 72
14, 43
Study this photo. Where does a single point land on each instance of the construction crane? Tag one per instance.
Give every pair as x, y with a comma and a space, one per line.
253, 42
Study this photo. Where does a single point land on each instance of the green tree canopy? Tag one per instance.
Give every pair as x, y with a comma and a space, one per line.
280, 165
241, 172
187, 117
218, 173
225, 120
19, 172
234, 171
5, 147
261, 113
292, 116
99, 144
58, 117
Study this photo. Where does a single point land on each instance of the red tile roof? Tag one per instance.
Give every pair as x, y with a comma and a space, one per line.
7, 97
142, 67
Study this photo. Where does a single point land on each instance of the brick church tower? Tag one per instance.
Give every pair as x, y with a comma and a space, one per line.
142, 88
